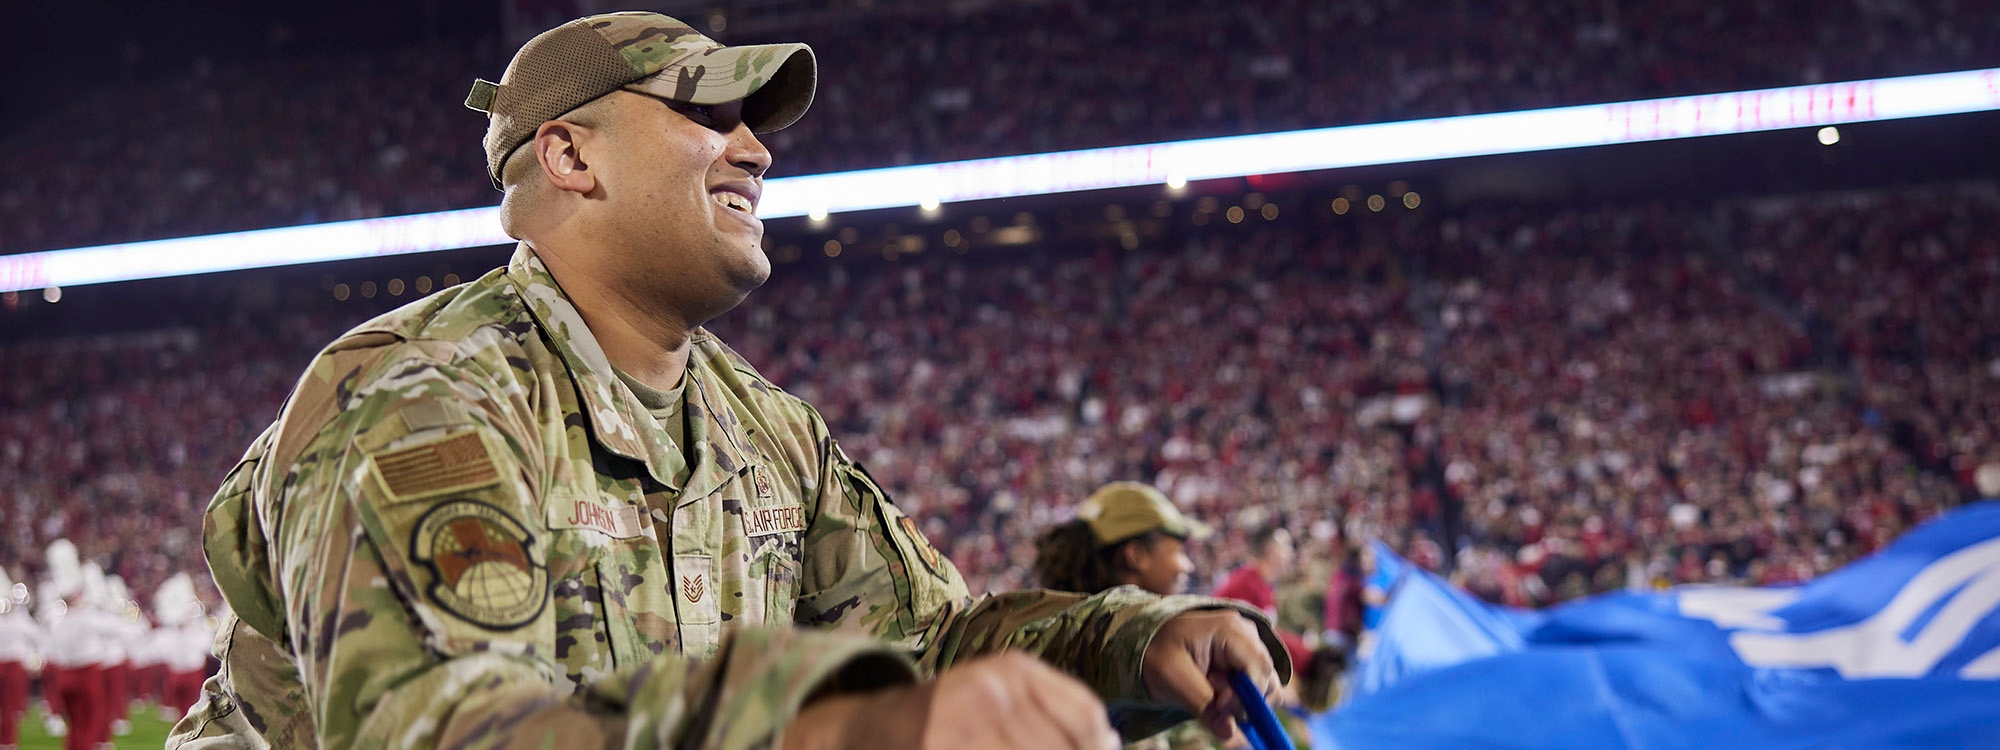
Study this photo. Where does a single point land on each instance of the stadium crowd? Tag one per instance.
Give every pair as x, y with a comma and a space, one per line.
116, 443
1634, 414
1565, 401
286, 138
1624, 397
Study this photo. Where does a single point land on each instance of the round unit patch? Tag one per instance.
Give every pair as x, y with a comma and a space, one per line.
923, 545
483, 563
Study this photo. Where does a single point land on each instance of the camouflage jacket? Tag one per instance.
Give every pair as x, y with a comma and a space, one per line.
1189, 735
465, 530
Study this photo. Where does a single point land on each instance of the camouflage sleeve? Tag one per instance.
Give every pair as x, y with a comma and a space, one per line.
1191, 735
1187, 735
414, 587
869, 569
253, 701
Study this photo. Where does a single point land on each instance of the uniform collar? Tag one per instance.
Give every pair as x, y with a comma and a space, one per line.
722, 446
613, 415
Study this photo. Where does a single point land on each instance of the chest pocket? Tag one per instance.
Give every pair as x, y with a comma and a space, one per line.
775, 524
601, 554
754, 537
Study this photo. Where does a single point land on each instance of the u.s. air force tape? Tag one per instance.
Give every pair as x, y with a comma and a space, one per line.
777, 519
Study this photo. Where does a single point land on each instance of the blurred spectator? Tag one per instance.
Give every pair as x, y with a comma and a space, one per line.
1344, 604
1271, 558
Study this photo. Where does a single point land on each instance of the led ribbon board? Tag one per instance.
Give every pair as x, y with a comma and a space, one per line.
1090, 169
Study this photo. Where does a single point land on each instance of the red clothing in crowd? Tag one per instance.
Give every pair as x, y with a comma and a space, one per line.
1344, 604
1249, 586
13, 701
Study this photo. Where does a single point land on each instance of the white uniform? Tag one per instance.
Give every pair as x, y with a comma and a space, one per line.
20, 636
70, 683
181, 641
68, 640
185, 648
20, 643
128, 625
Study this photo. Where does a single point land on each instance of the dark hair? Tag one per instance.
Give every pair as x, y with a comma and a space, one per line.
1067, 558
1261, 539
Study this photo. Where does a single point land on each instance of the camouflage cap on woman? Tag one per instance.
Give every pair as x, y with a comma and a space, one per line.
1121, 510
570, 65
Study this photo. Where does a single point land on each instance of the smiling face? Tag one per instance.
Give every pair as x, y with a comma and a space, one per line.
673, 200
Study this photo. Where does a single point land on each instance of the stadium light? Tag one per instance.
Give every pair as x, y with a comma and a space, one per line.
262, 248
1174, 163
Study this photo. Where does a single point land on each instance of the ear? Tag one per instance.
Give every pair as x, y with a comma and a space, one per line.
1132, 554
559, 147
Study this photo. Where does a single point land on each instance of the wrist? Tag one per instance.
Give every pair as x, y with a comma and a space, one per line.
883, 718
824, 724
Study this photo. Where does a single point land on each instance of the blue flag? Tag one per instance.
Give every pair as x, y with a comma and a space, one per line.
1436, 626
1901, 649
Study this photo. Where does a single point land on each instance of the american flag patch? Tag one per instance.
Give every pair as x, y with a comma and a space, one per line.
449, 464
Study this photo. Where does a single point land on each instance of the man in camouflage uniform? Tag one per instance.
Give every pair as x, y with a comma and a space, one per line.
547, 509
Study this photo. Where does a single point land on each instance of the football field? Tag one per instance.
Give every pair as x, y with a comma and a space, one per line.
148, 731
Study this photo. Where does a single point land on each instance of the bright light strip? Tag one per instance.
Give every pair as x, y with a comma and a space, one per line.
312, 243
1092, 169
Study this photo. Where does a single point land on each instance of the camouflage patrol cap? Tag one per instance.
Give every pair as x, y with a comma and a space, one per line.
1122, 510
570, 65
